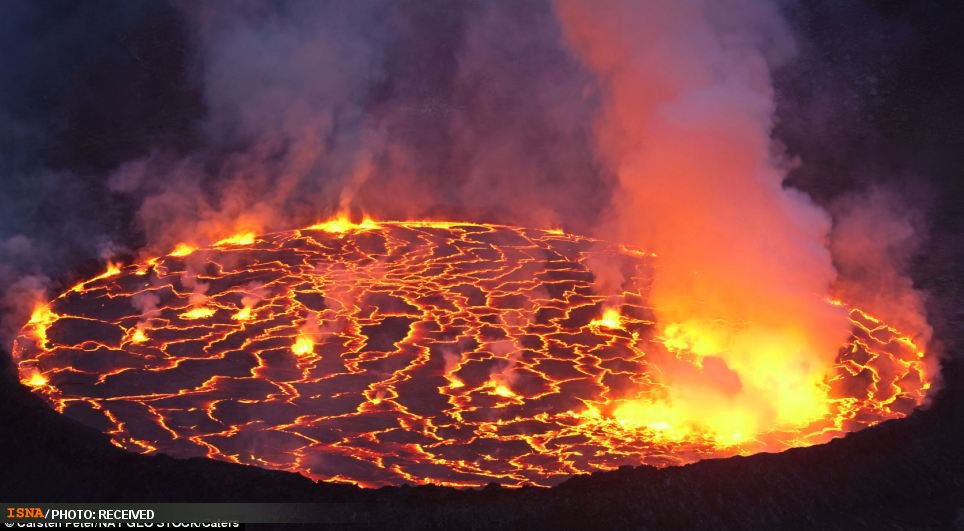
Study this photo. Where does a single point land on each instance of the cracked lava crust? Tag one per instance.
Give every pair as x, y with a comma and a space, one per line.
402, 352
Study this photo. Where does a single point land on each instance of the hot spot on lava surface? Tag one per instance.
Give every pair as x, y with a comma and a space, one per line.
401, 352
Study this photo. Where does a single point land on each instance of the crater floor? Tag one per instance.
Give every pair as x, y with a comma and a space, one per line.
394, 353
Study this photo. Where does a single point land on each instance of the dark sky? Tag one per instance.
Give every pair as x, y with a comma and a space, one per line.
876, 95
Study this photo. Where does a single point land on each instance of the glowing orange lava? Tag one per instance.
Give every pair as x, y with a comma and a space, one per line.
414, 352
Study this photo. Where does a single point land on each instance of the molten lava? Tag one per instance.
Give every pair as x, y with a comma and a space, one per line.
417, 352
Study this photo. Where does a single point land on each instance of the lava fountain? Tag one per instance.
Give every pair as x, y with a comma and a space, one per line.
414, 352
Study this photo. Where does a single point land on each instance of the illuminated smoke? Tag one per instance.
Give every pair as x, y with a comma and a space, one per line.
875, 234
198, 289
147, 302
254, 293
744, 269
20, 299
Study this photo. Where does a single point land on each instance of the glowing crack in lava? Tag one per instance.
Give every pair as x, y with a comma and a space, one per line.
406, 352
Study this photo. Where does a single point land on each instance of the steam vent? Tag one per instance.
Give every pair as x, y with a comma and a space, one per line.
406, 352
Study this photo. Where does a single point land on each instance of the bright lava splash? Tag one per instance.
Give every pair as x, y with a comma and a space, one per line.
407, 352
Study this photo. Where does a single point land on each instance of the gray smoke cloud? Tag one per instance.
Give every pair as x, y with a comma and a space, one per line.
315, 108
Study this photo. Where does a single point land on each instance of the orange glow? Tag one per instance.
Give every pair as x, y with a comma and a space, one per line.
727, 426
303, 346
242, 238
40, 320
112, 269
500, 389
748, 346
444, 334
138, 336
200, 312
140, 270
699, 338
183, 249
342, 224
35, 380
655, 416
435, 224
42, 315
610, 319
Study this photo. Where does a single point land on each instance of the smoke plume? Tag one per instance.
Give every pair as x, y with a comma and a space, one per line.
745, 268
320, 108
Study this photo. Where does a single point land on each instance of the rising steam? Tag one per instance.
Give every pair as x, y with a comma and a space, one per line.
745, 267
